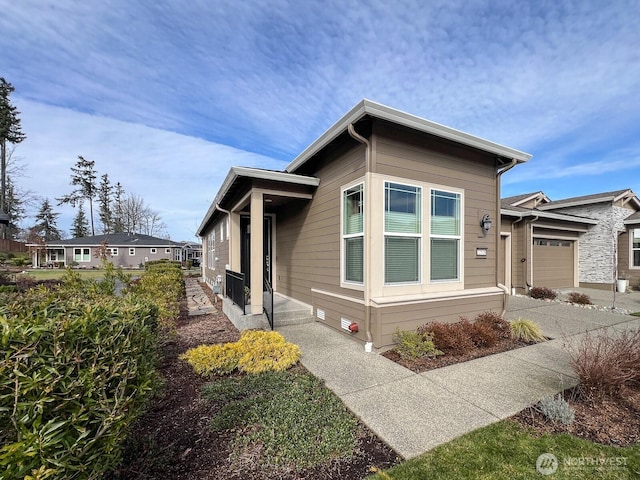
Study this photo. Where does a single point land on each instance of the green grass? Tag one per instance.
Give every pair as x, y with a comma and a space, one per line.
291, 417
56, 273
507, 451
636, 314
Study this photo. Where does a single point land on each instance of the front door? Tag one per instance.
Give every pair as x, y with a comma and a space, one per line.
245, 249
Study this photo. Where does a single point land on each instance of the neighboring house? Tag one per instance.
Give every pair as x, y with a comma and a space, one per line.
378, 222
584, 241
128, 250
192, 252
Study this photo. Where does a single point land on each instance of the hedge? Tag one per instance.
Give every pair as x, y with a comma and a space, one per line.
74, 374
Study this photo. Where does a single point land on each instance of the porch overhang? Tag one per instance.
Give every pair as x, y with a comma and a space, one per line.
237, 187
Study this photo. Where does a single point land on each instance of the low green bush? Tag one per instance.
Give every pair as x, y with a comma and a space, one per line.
75, 373
411, 344
526, 331
543, 293
281, 420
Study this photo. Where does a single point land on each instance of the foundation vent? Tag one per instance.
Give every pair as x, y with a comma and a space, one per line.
344, 324
320, 314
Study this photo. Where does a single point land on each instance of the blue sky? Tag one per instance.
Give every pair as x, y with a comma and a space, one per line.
167, 96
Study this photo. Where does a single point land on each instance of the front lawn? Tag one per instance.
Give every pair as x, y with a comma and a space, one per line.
506, 450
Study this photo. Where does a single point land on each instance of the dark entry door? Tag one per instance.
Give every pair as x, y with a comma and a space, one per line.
245, 249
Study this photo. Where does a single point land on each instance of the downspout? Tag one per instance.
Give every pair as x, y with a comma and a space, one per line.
505, 301
367, 235
529, 252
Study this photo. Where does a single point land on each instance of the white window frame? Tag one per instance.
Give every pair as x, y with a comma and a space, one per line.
153, 250
343, 236
458, 237
227, 223
419, 236
632, 249
83, 256
167, 250
112, 251
132, 251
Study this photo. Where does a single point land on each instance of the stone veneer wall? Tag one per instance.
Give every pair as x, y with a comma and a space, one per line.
596, 247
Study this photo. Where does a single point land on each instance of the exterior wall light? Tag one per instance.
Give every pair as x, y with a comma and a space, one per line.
486, 223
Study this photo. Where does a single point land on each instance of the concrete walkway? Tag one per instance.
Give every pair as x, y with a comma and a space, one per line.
198, 302
414, 413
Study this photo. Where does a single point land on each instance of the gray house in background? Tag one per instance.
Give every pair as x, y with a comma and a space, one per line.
127, 250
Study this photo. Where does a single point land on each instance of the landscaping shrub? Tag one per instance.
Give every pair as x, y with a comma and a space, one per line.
542, 293
496, 322
557, 409
255, 352
607, 362
526, 331
411, 344
450, 338
74, 375
579, 298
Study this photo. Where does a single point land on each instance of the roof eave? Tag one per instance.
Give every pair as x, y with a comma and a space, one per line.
368, 107
549, 215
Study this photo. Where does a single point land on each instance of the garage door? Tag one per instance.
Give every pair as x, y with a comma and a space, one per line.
553, 263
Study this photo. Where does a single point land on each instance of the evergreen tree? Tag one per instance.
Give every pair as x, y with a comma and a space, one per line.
83, 176
46, 227
10, 132
118, 214
105, 192
15, 208
80, 226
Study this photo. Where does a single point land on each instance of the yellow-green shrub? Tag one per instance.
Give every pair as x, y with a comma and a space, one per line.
220, 359
255, 352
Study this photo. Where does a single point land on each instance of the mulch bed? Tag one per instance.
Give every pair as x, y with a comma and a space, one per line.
424, 364
609, 421
173, 441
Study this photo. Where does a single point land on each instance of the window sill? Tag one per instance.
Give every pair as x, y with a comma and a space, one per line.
436, 296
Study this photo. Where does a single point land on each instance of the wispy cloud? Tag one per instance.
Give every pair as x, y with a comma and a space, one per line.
176, 175
268, 76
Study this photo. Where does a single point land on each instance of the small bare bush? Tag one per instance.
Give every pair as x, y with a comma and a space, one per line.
579, 298
451, 338
607, 362
543, 293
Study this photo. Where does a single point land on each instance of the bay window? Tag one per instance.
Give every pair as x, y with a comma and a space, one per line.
353, 234
402, 233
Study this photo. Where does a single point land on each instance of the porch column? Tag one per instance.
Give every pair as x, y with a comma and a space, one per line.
257, 255
234, 242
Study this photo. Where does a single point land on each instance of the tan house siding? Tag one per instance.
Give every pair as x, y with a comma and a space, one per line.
419, 158
624, 258
220, 252
338, 307
411, 316
308, 242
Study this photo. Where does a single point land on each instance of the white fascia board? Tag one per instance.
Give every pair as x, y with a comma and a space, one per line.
554, 216
632, 222
577, 203
368, 107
